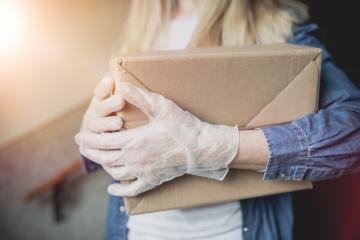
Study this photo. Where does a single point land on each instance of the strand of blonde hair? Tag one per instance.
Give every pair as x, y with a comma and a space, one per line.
221, 22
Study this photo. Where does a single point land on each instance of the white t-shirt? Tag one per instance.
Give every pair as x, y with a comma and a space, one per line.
211, 222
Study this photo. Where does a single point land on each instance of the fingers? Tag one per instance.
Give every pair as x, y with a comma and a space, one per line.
106, 141
148, 102
105, 124
120, 172
129, 189
110, 105
104, 88
103, 157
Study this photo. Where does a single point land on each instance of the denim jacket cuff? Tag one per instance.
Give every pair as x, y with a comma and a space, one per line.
288, 152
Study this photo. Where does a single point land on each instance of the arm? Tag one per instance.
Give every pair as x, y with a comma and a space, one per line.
174, 142
253, 152
318, 146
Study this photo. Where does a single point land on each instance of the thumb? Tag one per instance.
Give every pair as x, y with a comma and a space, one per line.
104, 88
131, 189
147, 101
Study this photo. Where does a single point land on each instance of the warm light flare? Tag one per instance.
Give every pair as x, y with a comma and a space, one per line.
12, 27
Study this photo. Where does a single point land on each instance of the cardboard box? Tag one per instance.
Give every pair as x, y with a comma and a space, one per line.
245, 86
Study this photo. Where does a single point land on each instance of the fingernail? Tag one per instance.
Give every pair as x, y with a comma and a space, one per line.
117, 122
77, 139
120, 121
111, 190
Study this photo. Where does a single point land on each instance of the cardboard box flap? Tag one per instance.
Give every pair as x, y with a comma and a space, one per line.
299, 67
237, 185
245, 86
281, 109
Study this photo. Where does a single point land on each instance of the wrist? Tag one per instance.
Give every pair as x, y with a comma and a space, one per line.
217, 152
253, 151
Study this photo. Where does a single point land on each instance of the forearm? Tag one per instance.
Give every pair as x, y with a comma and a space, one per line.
253, 151
318, 146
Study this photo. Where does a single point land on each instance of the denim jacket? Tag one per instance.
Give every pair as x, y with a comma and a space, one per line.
321, 145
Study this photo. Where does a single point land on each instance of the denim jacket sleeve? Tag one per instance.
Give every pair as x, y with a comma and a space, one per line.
325, 144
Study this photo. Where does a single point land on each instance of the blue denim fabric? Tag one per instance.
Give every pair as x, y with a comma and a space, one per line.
318, 146
325, 144
117, 219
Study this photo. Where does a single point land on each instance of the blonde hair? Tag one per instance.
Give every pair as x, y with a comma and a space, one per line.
221, 22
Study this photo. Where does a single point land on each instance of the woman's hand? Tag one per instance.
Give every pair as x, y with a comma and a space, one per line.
172, 143
97, 118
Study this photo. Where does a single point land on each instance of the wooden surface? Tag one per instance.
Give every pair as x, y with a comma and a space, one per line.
41, 155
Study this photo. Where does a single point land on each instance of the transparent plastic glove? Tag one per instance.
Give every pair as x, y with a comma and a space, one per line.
174, 142
96, 119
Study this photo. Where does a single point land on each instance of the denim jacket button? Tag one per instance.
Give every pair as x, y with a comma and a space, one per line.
245, 229
122, 209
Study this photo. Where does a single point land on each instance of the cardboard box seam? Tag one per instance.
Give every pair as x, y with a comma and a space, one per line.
315, 74
133, 211
278, 95
317, 61
135, 80
213, 55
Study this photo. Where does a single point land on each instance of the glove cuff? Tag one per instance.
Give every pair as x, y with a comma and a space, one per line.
215, 166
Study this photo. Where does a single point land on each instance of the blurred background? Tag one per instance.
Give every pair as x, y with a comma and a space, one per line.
52, 54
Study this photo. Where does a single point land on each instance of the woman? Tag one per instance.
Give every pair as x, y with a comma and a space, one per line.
318, 146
